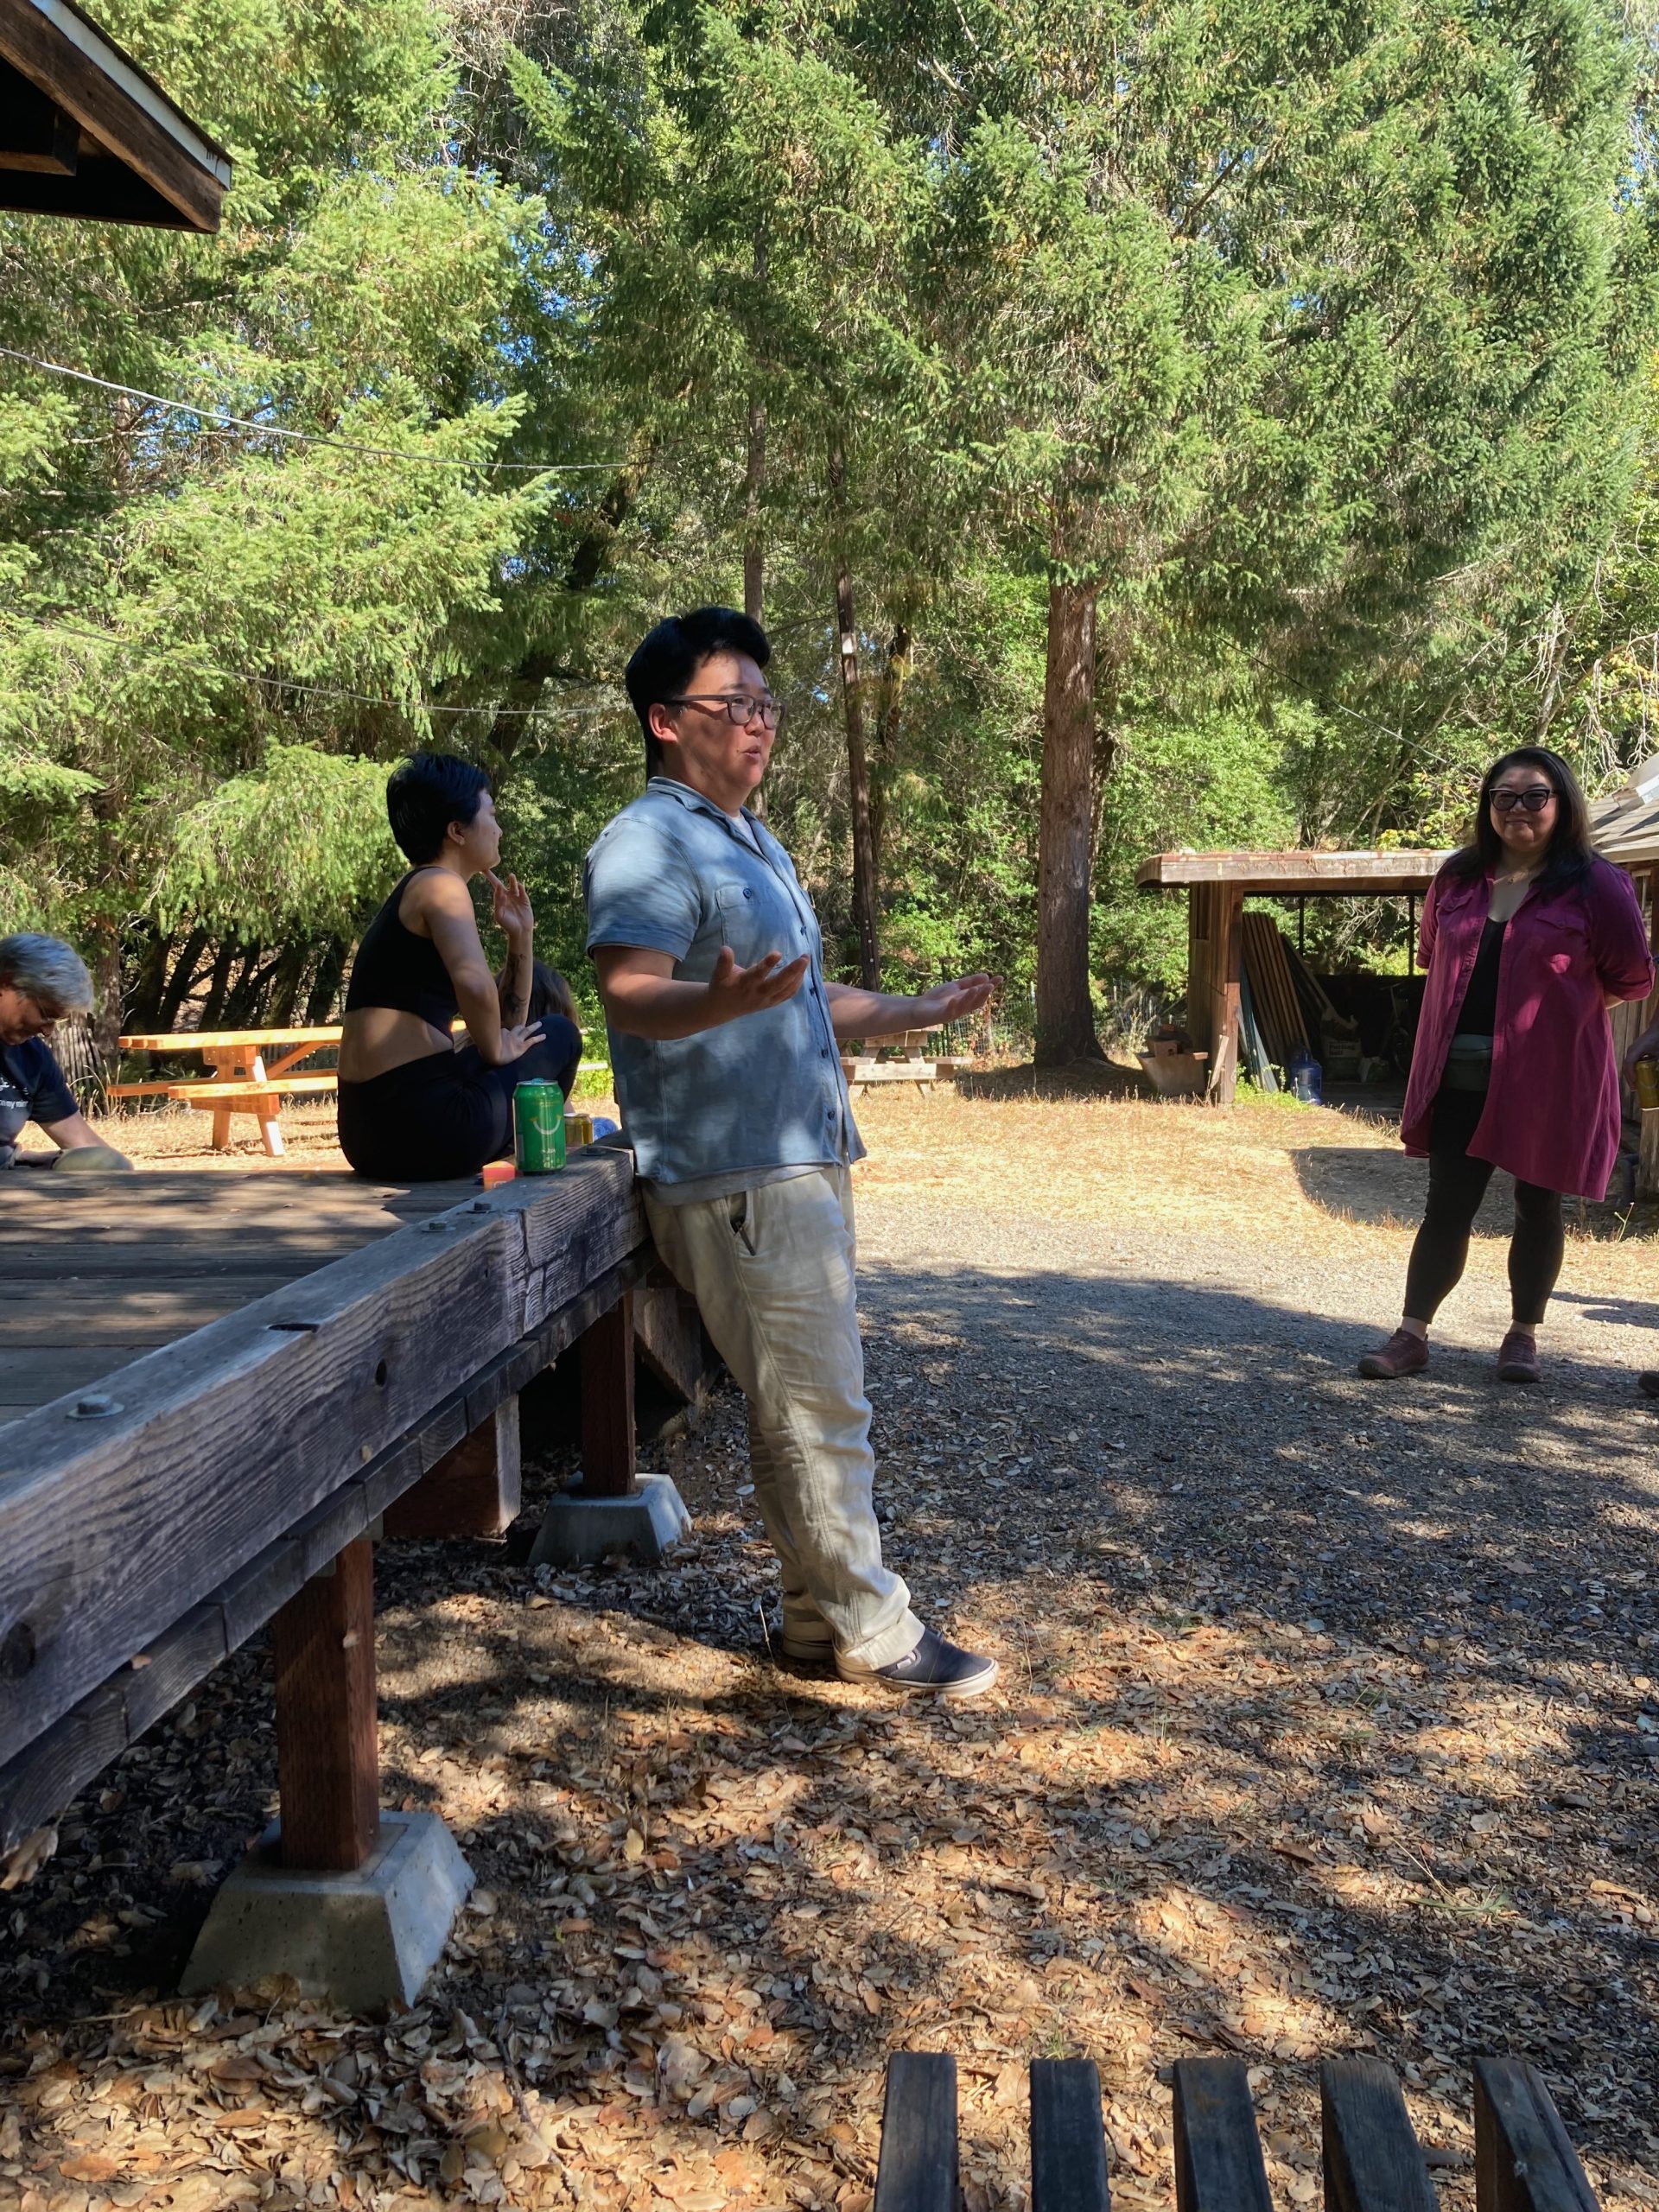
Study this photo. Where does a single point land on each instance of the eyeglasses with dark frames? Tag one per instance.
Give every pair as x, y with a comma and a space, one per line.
741, 706
1534, 799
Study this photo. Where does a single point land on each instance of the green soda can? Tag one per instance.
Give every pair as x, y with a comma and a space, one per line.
538, 1128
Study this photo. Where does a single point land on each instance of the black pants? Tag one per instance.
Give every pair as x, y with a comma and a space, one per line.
444, 1116
1457, 1185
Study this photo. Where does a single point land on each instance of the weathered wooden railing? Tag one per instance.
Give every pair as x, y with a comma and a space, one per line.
1373, 2162
235, 1477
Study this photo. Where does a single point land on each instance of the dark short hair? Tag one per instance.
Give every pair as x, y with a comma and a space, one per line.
425, 794
670, 655
1571, 851
549, 994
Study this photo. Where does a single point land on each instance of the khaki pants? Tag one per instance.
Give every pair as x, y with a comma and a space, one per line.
771, 1271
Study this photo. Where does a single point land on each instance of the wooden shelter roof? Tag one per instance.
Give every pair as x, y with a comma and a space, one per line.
1284, 874
85, 131
1626, 822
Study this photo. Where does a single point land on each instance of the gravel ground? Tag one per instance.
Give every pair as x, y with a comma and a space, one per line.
1324, 1726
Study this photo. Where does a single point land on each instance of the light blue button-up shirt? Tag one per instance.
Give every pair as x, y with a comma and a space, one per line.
734, 1105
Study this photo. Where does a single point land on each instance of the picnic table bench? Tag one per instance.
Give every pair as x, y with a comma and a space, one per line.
1372, 2159
216, 1391
904, 1059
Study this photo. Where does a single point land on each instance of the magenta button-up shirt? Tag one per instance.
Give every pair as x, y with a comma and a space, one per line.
1552, 1114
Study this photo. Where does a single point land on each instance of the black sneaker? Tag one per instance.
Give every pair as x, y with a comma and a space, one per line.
934, 1668
1648, 1382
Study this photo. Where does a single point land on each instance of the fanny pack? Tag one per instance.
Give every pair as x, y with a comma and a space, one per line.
1468, 1063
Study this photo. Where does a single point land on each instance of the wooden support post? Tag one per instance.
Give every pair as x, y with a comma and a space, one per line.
607, 1404
1647, 1158
327, 1762
474, 1490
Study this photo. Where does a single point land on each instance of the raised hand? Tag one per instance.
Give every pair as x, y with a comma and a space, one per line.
515, 1043
735, 991
954, 1002
511, 903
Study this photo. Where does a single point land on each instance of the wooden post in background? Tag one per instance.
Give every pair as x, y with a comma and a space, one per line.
607, 1404
328, 1759
473, 1491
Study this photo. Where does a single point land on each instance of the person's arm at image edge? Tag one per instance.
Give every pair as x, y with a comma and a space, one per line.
74, 1133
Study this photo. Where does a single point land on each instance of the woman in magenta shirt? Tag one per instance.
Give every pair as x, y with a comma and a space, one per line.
1528, 938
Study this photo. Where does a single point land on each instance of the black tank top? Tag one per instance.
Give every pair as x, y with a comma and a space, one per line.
1478, 1015
394, 968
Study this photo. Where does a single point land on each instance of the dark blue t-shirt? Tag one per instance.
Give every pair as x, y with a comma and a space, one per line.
32, 1089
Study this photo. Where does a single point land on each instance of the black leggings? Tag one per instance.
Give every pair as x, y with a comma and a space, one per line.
444, 1116
1457, 1185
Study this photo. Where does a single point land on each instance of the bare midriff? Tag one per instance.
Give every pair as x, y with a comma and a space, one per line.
374, 1039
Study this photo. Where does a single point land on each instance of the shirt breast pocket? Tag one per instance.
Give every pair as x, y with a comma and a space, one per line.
1563, 941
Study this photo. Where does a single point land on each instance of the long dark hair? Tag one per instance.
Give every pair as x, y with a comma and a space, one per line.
1566, 861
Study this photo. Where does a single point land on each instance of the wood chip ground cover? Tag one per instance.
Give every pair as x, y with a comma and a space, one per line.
1325, 1725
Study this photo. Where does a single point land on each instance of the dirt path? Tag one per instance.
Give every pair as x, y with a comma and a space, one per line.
1324, 1725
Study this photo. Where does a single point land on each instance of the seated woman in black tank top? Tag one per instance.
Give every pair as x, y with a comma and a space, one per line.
412, 1108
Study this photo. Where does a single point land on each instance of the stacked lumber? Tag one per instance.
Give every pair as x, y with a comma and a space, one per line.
1274, 996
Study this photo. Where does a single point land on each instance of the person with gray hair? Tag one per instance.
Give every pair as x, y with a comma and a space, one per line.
42, 979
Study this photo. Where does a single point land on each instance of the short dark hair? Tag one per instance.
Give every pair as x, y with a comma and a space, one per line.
670, 655
1570, 852
425, 794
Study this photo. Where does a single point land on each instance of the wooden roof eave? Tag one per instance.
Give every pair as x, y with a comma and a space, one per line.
1292, 875
112, 146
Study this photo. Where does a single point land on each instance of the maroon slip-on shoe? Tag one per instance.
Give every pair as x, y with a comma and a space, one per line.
1403, 1354
1518, 1359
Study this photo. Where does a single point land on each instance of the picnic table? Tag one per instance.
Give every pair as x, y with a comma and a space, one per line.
244, 1080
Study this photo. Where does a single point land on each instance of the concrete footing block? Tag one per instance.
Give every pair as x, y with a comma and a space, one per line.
360, 1941
576, 1530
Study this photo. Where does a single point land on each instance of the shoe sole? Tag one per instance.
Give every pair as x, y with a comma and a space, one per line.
971, 1685
1373, 1372
1511, 1374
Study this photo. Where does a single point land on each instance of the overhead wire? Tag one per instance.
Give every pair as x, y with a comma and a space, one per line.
309, 437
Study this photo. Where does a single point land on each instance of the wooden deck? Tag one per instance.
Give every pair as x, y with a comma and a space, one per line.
96, 1270
211, 1386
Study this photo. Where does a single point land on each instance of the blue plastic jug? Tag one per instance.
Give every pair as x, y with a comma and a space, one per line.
1307, 1078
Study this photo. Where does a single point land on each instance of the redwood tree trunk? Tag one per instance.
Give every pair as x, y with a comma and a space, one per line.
858, 767
1065, 1019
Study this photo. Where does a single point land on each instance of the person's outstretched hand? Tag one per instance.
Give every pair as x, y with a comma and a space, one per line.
736, 991
511, 901
515, 1043
954, 1002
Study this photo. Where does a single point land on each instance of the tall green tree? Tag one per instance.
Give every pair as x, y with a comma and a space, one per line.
1274, 317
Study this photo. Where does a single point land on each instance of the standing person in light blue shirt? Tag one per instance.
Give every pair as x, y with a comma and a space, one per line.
726, 1046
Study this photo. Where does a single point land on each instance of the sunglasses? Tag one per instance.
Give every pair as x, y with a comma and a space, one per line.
1534, 800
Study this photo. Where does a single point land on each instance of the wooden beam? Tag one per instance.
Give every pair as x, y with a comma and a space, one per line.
918, 2167
1068, 2137
1372, 2159
1293, 874
1523, 2161
115, 1520
473, 1491
1219, 2165
35, 135
327, 1760
607, 1459
68, 60
668, 1330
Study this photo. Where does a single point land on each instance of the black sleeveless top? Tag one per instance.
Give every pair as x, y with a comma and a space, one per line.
394, 968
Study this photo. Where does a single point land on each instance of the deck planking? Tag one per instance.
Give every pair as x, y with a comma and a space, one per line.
96, 1271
